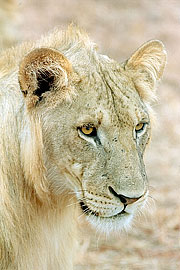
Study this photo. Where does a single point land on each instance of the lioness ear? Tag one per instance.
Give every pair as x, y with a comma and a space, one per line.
146, 66
41, 71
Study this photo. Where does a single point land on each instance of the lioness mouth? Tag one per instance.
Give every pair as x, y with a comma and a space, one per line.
88, 211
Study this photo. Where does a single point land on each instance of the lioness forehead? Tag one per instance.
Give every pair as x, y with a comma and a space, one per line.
108, 95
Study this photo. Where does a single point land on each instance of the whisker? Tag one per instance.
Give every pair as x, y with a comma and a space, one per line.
151, 198
82, 215
78, 190
73, 204
98, 238
151, 188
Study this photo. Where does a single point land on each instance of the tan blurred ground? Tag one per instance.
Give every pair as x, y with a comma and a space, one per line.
119, 27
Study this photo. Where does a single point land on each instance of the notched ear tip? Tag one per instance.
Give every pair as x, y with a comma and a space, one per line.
154, 43
159, 52
40, 71
146, 67
157, 49
151, 52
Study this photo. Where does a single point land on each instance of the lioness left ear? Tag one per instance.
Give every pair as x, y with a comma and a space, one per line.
41, 71
146, 66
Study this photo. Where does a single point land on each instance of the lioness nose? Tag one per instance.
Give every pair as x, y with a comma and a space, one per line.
125, 200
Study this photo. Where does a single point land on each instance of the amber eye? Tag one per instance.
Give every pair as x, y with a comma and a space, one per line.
139, 127
88, 130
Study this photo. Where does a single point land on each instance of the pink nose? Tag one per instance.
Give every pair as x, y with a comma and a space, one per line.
125, 200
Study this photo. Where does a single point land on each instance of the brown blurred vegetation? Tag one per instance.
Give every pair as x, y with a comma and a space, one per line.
119, 27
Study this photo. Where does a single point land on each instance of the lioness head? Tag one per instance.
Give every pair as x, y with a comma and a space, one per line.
94, 122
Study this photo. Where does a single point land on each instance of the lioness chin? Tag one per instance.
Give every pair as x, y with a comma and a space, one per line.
73, 130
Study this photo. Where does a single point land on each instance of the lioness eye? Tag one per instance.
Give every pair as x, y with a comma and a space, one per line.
88, 130
139, 127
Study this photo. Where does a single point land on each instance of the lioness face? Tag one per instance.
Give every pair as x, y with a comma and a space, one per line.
98, 141
94, 143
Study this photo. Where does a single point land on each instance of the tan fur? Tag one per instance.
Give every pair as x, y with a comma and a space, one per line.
48, 91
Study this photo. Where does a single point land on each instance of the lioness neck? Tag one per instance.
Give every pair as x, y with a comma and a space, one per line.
46, 240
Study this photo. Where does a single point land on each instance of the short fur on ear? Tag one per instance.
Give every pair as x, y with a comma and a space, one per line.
146, 67
41, 71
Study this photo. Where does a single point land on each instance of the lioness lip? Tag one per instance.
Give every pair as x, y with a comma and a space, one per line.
88, 211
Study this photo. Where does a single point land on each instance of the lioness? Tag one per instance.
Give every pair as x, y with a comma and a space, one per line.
74, 125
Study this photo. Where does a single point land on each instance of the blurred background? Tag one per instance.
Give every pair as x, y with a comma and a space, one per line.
119, 27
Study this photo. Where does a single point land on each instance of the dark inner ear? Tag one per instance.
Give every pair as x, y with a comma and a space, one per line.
45, 81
